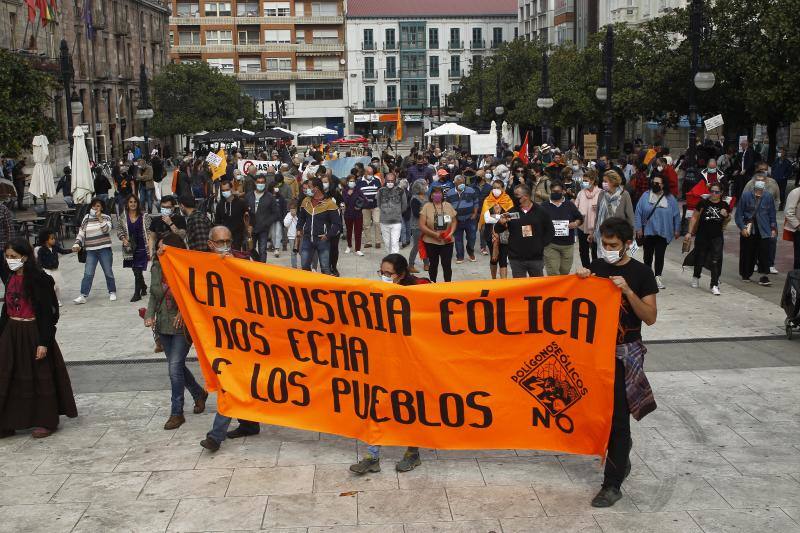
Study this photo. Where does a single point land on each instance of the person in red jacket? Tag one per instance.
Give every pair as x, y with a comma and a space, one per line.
668, 171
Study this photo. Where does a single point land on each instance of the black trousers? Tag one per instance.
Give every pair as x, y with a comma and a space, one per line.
705, 248
138, 277
443, 253
752, 250
655, 245
584, 248
19, 184
619, 441
334, 253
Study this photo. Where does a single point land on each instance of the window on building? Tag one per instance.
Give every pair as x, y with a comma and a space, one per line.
218, 9
455, 65
369, 40
248, 36
249, 64
391, 41
412, 35
277, 36
324, 9
369, 67
279, 63
391, 96
171, 41
224, 65
267, 92
319, 91
188, 37
188, 10
326, 63
369, 96
219, 37
299, 36
433, 63
391, 67
277, 9
412, 65
497, 37
247, 9
326, 36
433, 38
477, 38
433, 89
455, 38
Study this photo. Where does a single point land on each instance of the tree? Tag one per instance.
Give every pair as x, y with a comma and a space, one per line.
192, 96
25, 97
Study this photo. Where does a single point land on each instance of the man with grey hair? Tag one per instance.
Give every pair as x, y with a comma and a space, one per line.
391, 201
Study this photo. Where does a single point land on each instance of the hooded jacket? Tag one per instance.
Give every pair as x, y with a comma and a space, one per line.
321, 219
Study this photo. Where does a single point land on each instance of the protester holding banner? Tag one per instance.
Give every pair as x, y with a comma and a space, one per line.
317, 221
530, 230
163, 315
438, 221
632, 392
231, 212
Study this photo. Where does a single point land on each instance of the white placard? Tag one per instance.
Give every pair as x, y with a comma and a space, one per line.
213, 159
483, 144
714, 122
561, 227
262, 167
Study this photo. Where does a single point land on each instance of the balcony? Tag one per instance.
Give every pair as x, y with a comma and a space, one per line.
433, 45
390, 46
496, 44
455, 45
302, 49
368, 46
417, 44
289, 75
477, 45
413, 73
434, 73
412, 103
222, 21
454, 73
392, 75
370, 75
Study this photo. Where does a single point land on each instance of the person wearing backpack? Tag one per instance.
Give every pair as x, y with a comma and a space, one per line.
34, 382
657, 222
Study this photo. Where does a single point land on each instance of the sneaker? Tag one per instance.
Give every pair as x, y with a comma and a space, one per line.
112, 296
764, 281
367, 464
484, 251
746, 280
174, 422
360, 253
80, 300
209, 444
347, 250
715, 290
367, 245
773, 270
607, 497
277, 254
60, 303
694, 285
472, 259
408, 463
660, 283
459, 261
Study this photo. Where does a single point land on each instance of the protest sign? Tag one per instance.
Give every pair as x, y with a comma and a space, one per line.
262, 167
468, 365
590, 146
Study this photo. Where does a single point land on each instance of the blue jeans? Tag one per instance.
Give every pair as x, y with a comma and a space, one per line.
322, 248
176, 347
147, 198
105, 257
260, 240
405, 233
293, 252
468, 228
219, 429
375, 451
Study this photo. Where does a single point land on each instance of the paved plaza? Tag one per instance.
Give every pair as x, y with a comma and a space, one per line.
721, 453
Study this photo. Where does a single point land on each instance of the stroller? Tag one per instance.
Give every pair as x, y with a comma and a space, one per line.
790, 301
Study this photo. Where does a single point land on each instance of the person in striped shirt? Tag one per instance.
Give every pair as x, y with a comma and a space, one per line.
369, 185
94, 236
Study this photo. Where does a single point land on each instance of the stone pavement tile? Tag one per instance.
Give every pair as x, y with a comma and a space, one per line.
745, 492
563, 499
270, 481
474, 454
588, 470
339, 478
669, 463
383, 528
648, 437
478, 503
13, 443
218, 514
316, 452
127, 516
741, 395
241, 455
389, 506
663, 416
709, 414
562, 524
70, 436
115, 400
29, 489
282, 434
675, 379
155, 399
53, 518
694, 435
149, 458
289, 530
187, 484
101, 486
20, 464
430, 474
392, 454
530, 453
793, 512
778, 408
764, 460
134, 437
769, 433
320, 509
734, 521
472, 526
677, 493
675, 522
522, 470
87, 460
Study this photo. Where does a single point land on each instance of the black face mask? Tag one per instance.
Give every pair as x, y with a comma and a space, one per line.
556, 196
656, 187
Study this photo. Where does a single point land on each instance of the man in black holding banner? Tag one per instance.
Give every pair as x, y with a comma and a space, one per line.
632, 392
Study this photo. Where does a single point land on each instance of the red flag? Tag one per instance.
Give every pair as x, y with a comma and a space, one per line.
31, 9
523, 150
44, 11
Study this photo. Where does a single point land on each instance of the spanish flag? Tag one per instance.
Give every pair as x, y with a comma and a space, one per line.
219, 170
399, 134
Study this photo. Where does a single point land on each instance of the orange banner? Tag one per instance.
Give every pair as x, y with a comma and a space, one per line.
524, 364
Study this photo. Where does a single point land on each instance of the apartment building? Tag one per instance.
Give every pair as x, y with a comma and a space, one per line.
635, 12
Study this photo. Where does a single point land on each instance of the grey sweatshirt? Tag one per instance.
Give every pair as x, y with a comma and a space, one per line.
392, 203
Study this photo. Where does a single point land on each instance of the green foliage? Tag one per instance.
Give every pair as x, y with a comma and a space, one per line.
25, 99
191, 97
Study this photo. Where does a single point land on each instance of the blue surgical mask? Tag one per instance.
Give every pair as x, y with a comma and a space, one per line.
261, 186
760, 185
226, 194
309, 193
461, 187
166, 211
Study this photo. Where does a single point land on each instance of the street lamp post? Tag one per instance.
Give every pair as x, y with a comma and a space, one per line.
545, 101
701, 78
605, 91
479, 109
498, 110
71, 98
144, 111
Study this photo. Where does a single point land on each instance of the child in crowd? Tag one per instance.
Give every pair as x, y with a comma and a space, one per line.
47, 255
290, 222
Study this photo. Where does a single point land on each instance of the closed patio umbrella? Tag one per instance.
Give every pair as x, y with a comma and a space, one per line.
82, 182
42, 185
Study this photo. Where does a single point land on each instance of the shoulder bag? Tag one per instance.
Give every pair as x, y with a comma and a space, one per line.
640, 240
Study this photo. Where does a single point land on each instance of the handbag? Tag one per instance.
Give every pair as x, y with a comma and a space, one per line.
82, 250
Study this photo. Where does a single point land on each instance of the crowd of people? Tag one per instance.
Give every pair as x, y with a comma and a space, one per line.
526, 212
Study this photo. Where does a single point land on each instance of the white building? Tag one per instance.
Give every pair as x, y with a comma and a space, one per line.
635, 12
411, 55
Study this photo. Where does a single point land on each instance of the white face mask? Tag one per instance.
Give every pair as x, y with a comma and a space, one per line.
390, 185
92, 212
610, 256
14, 264
387, 279
326, 185
496, 193
351, 184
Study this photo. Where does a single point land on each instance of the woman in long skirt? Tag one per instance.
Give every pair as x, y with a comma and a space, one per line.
132, 231
34, 384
